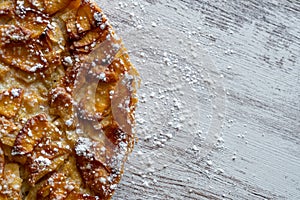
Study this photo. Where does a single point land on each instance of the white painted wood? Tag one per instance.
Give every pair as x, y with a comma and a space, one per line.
219, 115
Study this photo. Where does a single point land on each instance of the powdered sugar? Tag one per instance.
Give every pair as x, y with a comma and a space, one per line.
16, 92
84, 146
69, 122
68, 60
36, 67
43, 161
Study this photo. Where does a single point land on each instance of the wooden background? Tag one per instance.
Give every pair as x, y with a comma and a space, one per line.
219, 112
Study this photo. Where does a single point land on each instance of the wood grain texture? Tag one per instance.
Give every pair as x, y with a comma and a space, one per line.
219, 116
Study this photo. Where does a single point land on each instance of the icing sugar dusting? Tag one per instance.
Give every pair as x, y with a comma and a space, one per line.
84, 146
16, 92
43, 161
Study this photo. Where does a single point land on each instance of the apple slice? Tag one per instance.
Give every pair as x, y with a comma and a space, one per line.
32, 21
91, 158
53, 6
46, 157
54, 187
84, 18
3, 71
8, 132
61, 104
6, 9
18, 50
10, 102
33, 131
42, 166
11, 183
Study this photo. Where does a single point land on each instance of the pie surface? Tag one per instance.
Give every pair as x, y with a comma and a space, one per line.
67, 101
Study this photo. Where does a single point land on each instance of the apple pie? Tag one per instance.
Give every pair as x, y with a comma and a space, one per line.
67, 101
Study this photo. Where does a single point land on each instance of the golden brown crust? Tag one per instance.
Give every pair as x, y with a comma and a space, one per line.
67, 101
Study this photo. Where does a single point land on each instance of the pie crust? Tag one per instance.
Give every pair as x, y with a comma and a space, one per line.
67, 101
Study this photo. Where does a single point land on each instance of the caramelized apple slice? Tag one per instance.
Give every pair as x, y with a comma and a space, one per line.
94, 161
54, 188
39, 165
54, 41
6, 9
88, 17
61, 104
8, 132
56, 35
31, 192
95, 102
48, 155
87, 39
66, 182
32, 21
38, 4
69, 18
85, 99
71, 171
122, 63
94, 97
33, 131
84, 18
112, 130
58, 187
85, 25
18, 50
107, 60
102, 96
73, 5
53, 6
71, 28
11, 183
3, 70
10, 102
33, 103
107, 68
12, 33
